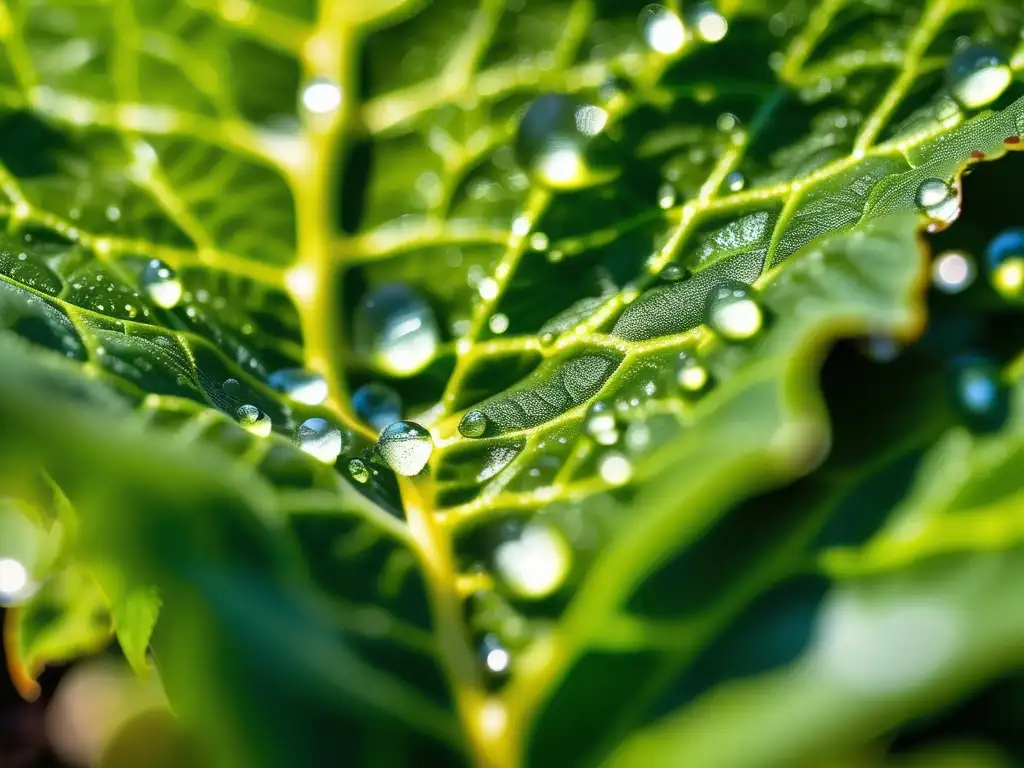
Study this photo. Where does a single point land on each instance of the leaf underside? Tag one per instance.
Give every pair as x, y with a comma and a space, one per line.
788, 156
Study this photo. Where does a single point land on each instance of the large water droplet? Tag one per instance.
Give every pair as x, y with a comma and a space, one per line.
691, 374
395, 328
978, 392
253, 419
707, 23
321, 96
662, 29
358, 471
406, 447
534, 564
473, 424
560, 142
953, 271
299, 385
939, 201
319, 438
1005, 258
161, 284
601, 425
732, 311
615, 468
377, 404
977, 75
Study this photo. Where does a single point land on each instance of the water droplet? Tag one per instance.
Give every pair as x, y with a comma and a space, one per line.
953, 271
734, 181
319, 438
495, 656
321, 96
534, 564
709, 24
406, 447
1005, 258
727, 122
691, 375
498, 322
474, 424
601, 425
977, 75
666, 195
557, 142
978, 392
939, 201
357, 471
299, 385
662, 29
547, 338
232, 387
161, 284
672, 272
615, 468
395, 328
732, 311
253, 419
377, 404
539, 241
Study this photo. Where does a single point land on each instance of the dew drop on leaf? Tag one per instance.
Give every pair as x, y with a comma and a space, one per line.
939, 201
600, 424
615, 468
357, 471
977, 75
377, 404
953, 272
395, 328
406, 447
535, 563
557, 142
662, 29
320, 439
321, 96
707, 23
732, 311
978, 392
299, 385
672, 272
691, 374
161, 284
253, 419
496, 657
735, 181
1005, 258
473, 424
232, 387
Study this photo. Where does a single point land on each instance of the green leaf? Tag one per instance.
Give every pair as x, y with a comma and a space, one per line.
514, 215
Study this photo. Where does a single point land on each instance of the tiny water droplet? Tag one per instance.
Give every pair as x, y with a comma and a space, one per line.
1005, 259
978, 392
357, 471
539, 241
496, 657
377, 404
253, 419
672, 272
615, 468
406, 447
535, 563
733, 312
662, 29
709, 25
320, 439
666, 195
321, 96
734, 181
939, 201
547, 339
601, 425
691, 375
299, 385
977, 75
395, 328
953, 271
557, 142
161, 284
474, 424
